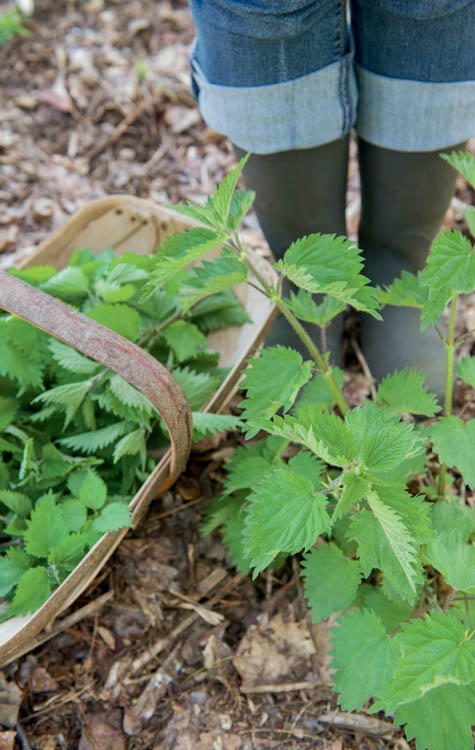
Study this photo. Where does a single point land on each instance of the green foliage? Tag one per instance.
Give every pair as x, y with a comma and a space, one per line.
331, 580
464, 162
453, 440
466, 370
404, 392
11, 24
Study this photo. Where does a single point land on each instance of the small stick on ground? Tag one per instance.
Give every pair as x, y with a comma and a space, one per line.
364, 367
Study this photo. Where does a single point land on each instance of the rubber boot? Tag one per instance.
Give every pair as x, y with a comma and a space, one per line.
404, 198
299, 193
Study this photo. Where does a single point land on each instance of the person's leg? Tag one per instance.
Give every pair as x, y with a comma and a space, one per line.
415, 65
277, 79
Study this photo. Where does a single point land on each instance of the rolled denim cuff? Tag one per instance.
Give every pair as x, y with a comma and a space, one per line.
302, 113
406, 115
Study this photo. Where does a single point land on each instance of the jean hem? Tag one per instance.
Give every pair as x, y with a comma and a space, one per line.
302, 113
406, 115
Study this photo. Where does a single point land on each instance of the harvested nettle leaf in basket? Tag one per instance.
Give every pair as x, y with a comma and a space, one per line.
78, 440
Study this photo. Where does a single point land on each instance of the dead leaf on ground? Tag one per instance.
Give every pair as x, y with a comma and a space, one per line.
10, 699
99, 733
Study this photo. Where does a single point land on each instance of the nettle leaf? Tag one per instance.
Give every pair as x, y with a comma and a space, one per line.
435, 651
69, 397
22, 352
323, 433
205, 214
449, 554
233, 534
67, 554
331, 580
317, 392
72, 360
122, 319
451, 709
245, 469
131, 396
325, 263
383, 440
286, 514
354, 489
385, 543
466, 370
222, 198
68, 283
364, 657
272, 381
45, 529
219, 311
92, 489
13, 564
461, 518
55, 463
307, 465
413, 510
450, 270
74, 514
205, 423
197, 386
211, 277
34, 275
126, 270
463, 162
8, 410
453, 441
17, 502
305, 308
405, 291
179, 250
113, 517
32, 591
241, 203
95, 440
130, 445
185, 339
404, 392
390, 613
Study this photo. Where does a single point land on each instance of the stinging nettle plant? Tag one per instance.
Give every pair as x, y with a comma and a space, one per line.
399, 566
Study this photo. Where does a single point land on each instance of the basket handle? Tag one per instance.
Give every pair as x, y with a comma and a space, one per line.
112, 350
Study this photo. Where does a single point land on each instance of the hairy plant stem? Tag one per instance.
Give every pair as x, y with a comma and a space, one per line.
449, 384
274, 295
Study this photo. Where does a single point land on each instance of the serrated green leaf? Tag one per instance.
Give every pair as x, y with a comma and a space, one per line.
435, 651
331, 580
390, 613
45, 529
32, 591
461, 518
68, 397
74, 514
466, 370
219, 311
17, 502
221, 200
35, 274
325, 263
122, 319
67, 554
54, 463
204, 214
470, 218
272, 381
8, 409
306, 465
71, 359
92, 489
451, 709
70, 282
206, 423
305, 308
113, 517
364, 657
241, 203
413, 510
385, 543
197, 386
449, 554
179, 250
245, 470
463, 162
317, 392
286, 514
450, 270
404, 392
354, 489
405, 291
95, 440
131, 396
130, 445
22, 352
13, 564
233, 534
185, 339
453, 441
211, 277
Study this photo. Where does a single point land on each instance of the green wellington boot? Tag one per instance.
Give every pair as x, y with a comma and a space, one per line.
404, 197
298, 193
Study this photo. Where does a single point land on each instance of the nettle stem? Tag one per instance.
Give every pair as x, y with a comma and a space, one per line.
274, 295
449, 384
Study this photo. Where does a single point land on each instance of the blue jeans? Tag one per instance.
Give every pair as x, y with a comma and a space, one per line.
278, 75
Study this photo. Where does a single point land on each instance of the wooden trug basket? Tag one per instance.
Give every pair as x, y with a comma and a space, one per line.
126, 224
